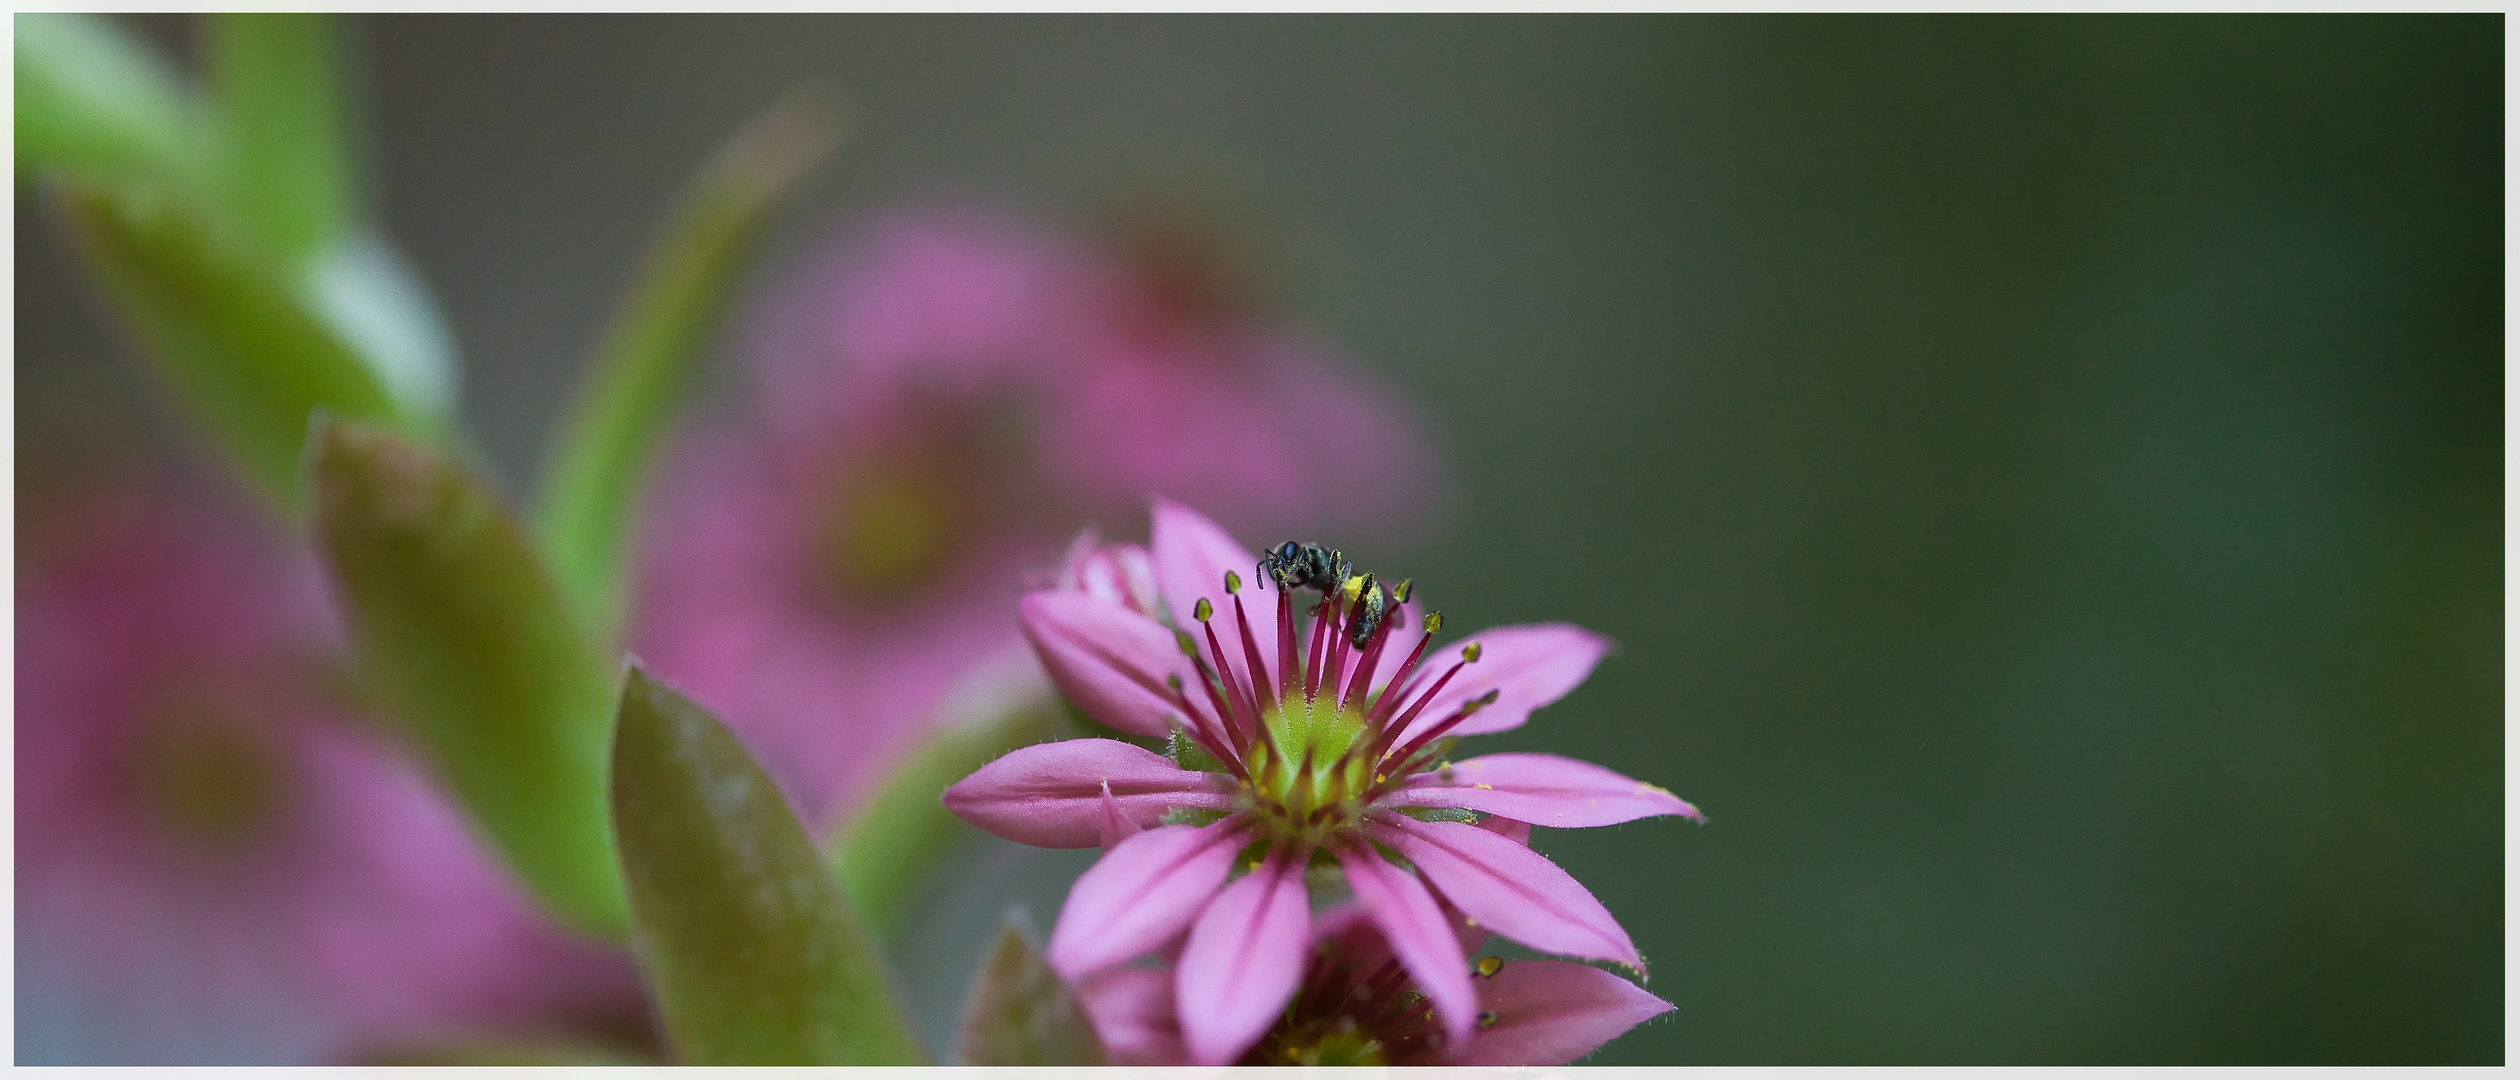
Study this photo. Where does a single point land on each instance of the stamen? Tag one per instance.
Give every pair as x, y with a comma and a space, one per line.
1196, 727
1233, 583
1468, 708
1395, 691
1334, 667
1262, 691
1233, 686
1365, 665
1392, 730
1321, 619
1285, 645
1203, 611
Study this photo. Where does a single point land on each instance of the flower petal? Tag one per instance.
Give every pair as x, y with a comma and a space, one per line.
1528, 666
1192, 555
1419, 932
1508, 888
1141, 893
1108, 660
1245, 956
1051, 794
1549, 1012
1544, 789
1132, 1009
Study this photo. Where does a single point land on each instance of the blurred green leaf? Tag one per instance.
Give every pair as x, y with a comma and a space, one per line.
1020, 1013
753, 953
469, 640
221, 324
375, 301
888, 847
288, 171
595, 464
283, 149
95, 103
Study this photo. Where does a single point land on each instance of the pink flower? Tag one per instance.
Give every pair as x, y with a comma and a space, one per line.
943, 399
1357, 1005
1295, 751
218, 856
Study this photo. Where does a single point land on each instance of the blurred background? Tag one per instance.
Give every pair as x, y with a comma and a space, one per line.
2043, 474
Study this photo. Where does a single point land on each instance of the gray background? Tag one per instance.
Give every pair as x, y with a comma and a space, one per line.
2043, 473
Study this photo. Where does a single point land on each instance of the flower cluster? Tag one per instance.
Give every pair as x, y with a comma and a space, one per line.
216, 848
1308, 745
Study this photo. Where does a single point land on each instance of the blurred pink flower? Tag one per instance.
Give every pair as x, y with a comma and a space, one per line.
1294, 746
216, 856
1358, 1005
942, 400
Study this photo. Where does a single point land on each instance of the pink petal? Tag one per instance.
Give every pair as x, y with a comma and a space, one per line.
1528, 667
1108, 660
1141, 893
1508, 888
1544, 789
1549, 1012
1191, 555
1419, 931
1466, 930
1244, 958
1051, 794
1132, 1009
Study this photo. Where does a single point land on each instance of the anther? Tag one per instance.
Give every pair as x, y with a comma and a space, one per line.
1470, 653
1353, 586
1434, 621
1203, 610
1233, 583
1173, 681
1189, 648
1486, 1020
1401, 595
1488, 966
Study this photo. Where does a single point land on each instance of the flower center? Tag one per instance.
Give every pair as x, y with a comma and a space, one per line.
204, 777
1318, 736
1304, 780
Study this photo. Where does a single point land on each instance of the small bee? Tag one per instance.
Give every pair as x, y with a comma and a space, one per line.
1304, 566
1311, 566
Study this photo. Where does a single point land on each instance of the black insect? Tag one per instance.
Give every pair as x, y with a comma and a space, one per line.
1311, 566
1304, 566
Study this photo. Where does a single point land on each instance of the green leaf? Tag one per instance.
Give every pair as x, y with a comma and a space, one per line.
1020, 1013
222, 325
288, 172
753, 953
595, 464
469, 641
375, 301
284, 159
904, 830
95, 103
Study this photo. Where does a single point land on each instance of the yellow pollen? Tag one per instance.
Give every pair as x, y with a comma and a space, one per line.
1484, 787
